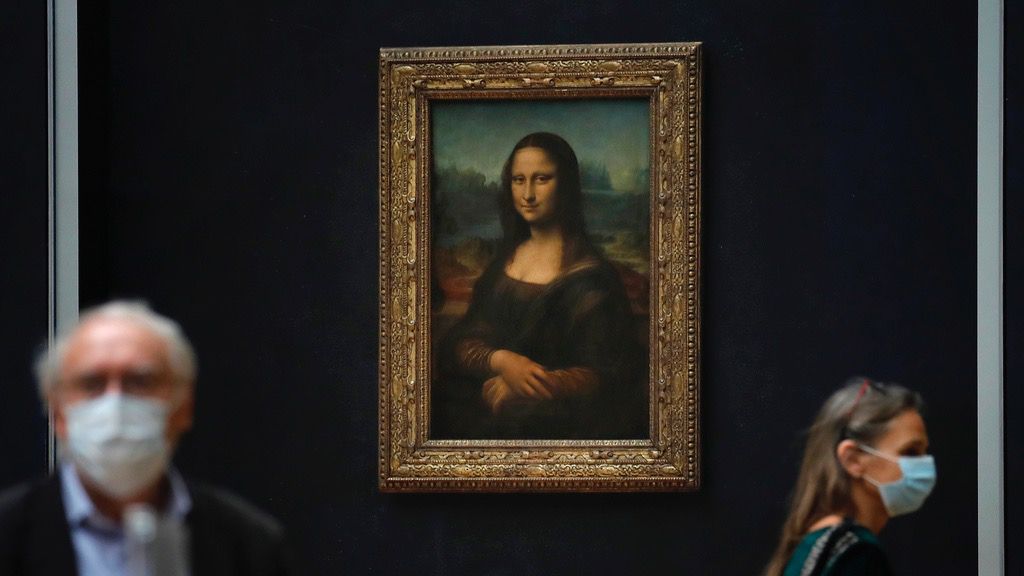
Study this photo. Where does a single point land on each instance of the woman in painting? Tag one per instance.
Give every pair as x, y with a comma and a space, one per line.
866, 461
547, 348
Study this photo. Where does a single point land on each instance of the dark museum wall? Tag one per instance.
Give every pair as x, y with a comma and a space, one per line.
1013, 282
24, 231
228, 175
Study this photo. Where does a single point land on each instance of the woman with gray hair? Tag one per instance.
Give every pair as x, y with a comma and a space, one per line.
865, 461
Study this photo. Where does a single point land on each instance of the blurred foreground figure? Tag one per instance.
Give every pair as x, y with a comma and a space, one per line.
866, 461
120, 386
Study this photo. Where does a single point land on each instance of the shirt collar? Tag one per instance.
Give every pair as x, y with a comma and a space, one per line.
78, 507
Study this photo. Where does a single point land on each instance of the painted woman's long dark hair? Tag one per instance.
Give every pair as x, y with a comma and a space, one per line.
568, 201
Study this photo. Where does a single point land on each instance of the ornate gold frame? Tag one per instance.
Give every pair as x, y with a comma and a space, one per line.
670, 75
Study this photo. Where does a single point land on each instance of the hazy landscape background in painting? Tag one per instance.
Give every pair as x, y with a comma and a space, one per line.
470, 143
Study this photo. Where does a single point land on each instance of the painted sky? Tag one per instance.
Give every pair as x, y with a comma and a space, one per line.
479, 134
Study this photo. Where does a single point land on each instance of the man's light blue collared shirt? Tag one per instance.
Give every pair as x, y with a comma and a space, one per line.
101, 548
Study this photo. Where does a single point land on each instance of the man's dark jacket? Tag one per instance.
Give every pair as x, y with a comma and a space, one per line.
227, 536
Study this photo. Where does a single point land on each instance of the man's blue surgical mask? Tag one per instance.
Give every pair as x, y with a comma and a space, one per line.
118, 441
909, 492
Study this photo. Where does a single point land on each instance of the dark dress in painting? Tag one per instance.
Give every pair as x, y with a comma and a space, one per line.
579, 327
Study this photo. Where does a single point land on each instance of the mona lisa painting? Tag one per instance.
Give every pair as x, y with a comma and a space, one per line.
533, 249
539, 258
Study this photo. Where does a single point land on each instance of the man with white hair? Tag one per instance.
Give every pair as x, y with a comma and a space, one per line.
120, 386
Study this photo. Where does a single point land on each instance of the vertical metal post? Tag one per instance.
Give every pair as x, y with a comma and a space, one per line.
62, 89
990, 288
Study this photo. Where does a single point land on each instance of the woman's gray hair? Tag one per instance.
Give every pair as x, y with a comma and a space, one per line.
860, 411
180, 355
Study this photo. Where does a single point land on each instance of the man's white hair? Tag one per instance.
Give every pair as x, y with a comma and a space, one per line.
180, 355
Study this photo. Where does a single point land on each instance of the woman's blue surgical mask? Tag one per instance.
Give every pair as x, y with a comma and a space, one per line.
909, 492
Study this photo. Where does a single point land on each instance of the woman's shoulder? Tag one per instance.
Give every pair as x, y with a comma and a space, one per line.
844, 549
590, 270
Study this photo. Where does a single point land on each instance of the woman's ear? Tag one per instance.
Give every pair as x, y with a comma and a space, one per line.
849, 456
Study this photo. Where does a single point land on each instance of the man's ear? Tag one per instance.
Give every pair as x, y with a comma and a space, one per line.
182, 417
850, 457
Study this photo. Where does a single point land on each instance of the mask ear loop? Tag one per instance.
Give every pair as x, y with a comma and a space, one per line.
883, 456
878, 453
